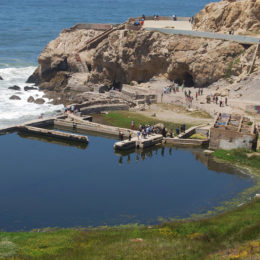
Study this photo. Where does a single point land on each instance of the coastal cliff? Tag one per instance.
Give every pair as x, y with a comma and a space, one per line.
224, 16
126, 56
70, 65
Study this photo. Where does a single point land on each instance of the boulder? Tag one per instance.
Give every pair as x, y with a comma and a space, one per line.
1, 78
14, 97
30, 99
15, 87
26, 88
39, 101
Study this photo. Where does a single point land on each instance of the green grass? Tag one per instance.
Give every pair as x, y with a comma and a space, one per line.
198, 136
124, 119
175, 240
238, 156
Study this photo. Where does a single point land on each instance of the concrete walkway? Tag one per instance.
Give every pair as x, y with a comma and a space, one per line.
237, 38
170, 24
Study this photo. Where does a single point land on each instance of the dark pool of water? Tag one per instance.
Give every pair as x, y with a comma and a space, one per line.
45, 184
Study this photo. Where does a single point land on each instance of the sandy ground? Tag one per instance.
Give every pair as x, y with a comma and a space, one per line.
174, 107
175, 114
178, 25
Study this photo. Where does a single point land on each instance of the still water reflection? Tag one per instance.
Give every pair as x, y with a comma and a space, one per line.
44, 183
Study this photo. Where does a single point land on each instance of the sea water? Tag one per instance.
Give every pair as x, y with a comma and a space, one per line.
27, 26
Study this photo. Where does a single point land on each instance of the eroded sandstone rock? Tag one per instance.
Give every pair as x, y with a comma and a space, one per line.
127, 57
224, 16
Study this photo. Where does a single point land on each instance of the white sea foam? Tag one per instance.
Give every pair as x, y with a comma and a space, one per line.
19, 111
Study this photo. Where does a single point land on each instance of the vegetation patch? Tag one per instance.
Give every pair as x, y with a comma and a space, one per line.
190, 239
238, 156
124, 119
198, 136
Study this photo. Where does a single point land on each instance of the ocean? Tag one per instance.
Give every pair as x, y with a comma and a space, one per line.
27, 26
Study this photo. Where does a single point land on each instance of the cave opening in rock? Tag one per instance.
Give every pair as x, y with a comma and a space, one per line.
188, 80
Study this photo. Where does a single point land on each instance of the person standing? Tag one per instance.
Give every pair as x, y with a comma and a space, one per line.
171, 133
225, 101
138, 134
130, 136
121, 136
177, 131
133, 124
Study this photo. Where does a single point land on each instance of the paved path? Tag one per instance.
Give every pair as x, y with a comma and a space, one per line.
168, 24
237, 38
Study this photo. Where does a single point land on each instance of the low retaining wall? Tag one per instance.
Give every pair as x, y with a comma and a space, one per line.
92, 26
54, 134
188, 142
6, 130
93, 127
102, 108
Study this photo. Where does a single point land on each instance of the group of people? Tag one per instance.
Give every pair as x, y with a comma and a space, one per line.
140, 21
144, 131
156, 17
217, 100
197, 93
71, 109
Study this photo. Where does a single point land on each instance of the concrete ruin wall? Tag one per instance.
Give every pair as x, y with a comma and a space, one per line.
227, 140
93, 26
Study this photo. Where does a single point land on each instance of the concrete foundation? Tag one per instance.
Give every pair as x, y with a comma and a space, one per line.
53, 133
139, 143
232, 132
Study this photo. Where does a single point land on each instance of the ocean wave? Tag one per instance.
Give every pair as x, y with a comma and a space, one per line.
19, 111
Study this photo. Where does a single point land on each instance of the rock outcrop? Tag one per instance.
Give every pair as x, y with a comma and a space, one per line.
39, 101
15, 87
26, 88
31, 99
224, 16
14, 97
67, 68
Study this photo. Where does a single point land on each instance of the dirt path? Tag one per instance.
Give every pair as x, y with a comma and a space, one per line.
176, 114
